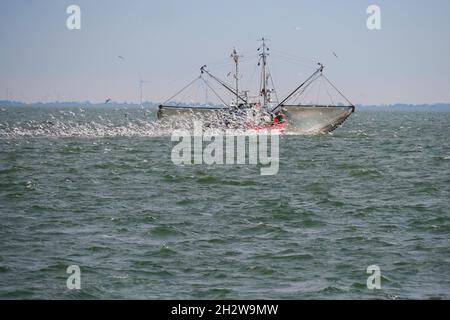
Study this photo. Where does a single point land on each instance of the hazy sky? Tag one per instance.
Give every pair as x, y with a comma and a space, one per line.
167, 41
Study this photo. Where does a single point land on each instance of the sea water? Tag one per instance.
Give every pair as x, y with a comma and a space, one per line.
96, 188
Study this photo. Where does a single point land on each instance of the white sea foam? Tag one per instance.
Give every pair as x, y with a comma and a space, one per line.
77, 124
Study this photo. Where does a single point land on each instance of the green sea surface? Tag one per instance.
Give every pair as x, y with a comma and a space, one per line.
97, 188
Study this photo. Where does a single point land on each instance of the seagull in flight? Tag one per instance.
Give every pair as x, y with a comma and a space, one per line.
107, 100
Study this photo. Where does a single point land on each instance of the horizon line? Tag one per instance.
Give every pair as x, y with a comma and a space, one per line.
156, 103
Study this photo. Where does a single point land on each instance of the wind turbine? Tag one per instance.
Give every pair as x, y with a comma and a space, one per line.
141, 84
141, 81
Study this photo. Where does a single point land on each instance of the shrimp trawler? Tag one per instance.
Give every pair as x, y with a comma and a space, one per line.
263, 110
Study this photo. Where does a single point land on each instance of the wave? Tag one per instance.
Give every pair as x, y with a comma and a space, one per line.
118, 123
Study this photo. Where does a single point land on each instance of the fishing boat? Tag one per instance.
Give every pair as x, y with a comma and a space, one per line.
263, 110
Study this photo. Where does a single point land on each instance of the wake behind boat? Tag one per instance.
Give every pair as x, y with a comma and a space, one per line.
263, 110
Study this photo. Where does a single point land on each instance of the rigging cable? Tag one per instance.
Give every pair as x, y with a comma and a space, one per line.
202, 69
318, 91
305, 91
187, 86
206, 82
329, 95
306, 83
351, 104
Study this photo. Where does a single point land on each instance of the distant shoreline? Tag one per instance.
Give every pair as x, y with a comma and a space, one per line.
150, 104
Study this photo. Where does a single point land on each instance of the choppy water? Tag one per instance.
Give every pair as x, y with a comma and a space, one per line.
96, 188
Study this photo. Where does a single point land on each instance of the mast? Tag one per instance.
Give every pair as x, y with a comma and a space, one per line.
236, 57
263, 57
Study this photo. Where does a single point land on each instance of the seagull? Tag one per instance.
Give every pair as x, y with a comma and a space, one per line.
121, 57
334, 53
107, 100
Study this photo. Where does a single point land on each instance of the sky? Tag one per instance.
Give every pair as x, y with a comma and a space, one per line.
166, 42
